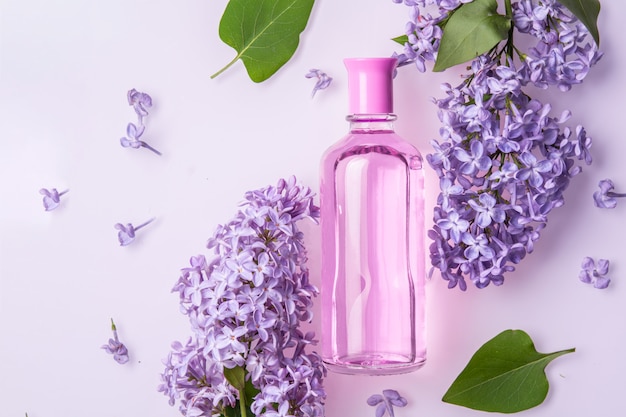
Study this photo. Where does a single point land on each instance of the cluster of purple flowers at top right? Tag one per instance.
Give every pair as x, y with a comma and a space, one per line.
503, 159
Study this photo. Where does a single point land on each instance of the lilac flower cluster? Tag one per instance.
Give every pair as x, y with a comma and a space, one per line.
564, 52
424, 30
503, 160
245, 308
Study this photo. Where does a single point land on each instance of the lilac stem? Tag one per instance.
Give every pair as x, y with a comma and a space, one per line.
63, 192
144, 224
114, 328
612, 194
145, 145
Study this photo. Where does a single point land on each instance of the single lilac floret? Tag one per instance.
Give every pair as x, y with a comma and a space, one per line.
592, 273
126, 233
116, 348
51, 198
141, 102
323, 80
384, 403
606, 197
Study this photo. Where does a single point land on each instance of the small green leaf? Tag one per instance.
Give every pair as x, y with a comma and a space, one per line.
587, 12
402, 39
236, 376
265, 33
473, 29
505, 375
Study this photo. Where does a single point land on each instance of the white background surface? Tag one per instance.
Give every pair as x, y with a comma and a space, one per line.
65, 68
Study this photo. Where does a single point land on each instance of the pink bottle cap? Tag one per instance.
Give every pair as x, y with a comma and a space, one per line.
370, 85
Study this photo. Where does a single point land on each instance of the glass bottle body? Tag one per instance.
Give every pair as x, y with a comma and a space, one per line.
372, 220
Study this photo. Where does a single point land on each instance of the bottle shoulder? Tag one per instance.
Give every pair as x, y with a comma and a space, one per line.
386, 139
360, 145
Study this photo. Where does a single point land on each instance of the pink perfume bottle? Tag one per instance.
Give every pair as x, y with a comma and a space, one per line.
372, 219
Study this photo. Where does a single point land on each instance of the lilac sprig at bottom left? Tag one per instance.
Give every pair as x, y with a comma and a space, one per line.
245, 308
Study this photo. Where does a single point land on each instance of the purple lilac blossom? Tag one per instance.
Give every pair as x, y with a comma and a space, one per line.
245, 307
51, 198
323, 80
126, 232
592, 273
384, 403
503, 159
116, 348
606, 197
140, 102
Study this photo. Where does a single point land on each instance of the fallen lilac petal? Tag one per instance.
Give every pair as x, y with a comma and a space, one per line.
126, 234
140, 102
51, 198
380, 410
595, 273
601, 283
116, 348
386, 402
375, 399
323, 80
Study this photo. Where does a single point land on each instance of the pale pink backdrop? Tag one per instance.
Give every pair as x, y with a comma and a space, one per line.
65, 67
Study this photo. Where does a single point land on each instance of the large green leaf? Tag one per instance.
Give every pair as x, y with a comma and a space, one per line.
587, 12
265, 33
473, 29
505, 375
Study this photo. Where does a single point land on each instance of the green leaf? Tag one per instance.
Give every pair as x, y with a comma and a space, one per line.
402, 39
250, 392
473, 29
236, 376
505, 375
265, 33
587, 12
236, 411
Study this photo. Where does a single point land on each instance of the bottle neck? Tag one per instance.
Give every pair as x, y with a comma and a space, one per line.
371, 123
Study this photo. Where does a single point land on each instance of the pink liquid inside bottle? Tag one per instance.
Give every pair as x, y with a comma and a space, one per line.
372, 219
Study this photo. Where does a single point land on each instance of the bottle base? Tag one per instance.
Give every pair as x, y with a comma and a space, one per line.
373, 366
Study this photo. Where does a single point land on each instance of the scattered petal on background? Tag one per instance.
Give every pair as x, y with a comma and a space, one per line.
140, 102
386, 402
606, 197
323, 80
51, 198
115, 347
595, 273
126, 233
